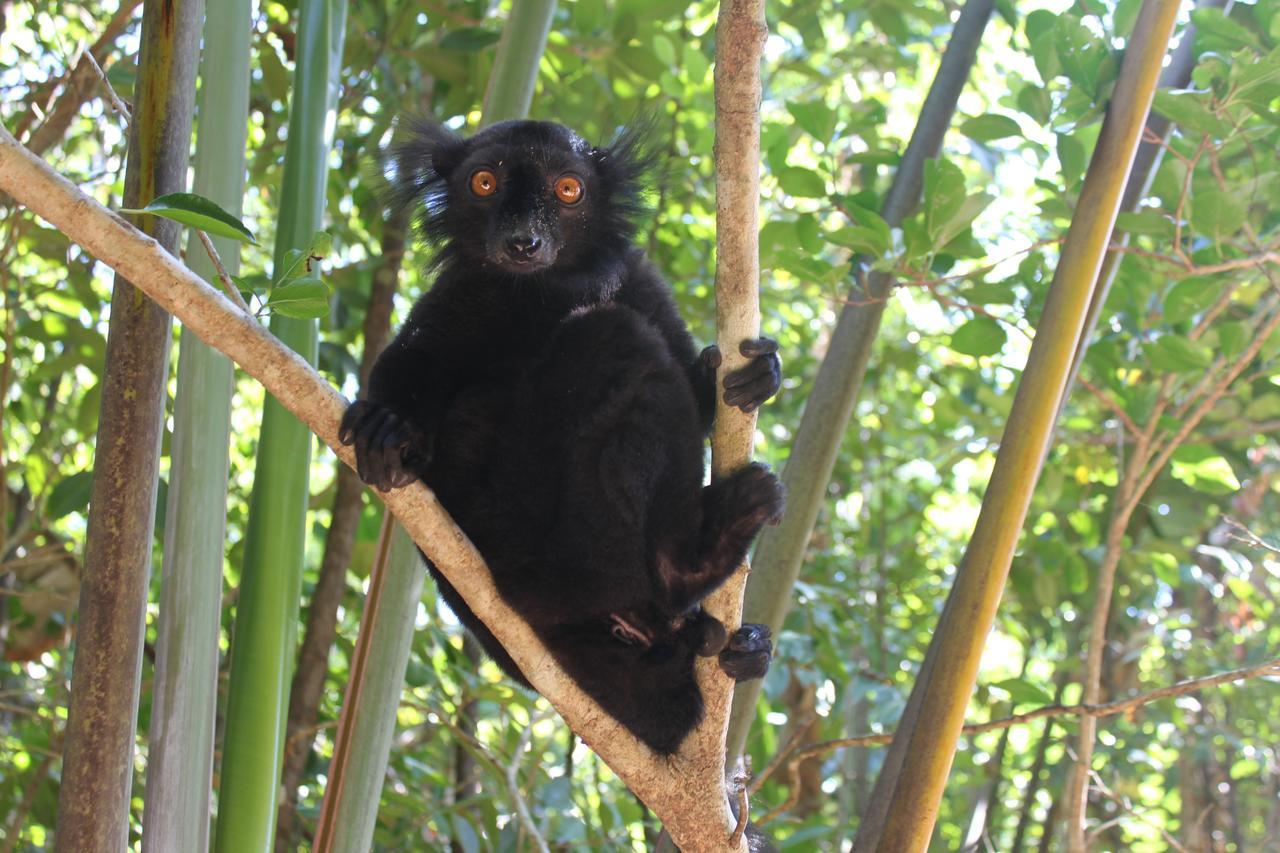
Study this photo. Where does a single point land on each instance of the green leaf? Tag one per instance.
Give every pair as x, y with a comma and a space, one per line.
696, 65
1036, 102
303, 299
1214, 29
815, 117
1211, 476
664, 50
802, 183
1190, 111
1246, 76
1143, 222
1218, 213
1188, 297
198, 212
1023, 692
1071, 157
864, 240
961, 219
70, 494
978, 337
1264, 408
298, 263
991, 126
1232, 338
1177, 354
469, 39
944, 193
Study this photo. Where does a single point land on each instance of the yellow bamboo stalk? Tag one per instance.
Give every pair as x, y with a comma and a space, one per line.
904, 805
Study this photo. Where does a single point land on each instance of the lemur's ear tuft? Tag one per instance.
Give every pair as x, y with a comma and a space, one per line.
417, 165
628, 165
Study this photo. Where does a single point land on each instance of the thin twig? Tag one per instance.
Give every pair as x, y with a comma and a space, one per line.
513, 786
227, 284
1241, 533
1106, 709
741, 827
1111, 403
116, 102
1129, 811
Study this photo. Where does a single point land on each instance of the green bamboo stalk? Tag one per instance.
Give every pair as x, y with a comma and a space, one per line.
97, 770
363, 743
368, 717
780, 551
904, 805
263, 645
515, 67
184, 698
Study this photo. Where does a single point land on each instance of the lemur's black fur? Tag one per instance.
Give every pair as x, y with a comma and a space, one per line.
548, 391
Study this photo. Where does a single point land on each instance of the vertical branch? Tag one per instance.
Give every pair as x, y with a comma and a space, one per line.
740, 35
835, 391
97, 770
905, 803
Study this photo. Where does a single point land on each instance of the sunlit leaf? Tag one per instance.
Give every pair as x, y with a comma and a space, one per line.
980, 336
198, 212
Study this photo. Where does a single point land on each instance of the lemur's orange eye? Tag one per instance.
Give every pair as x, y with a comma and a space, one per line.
484, 183
569, 190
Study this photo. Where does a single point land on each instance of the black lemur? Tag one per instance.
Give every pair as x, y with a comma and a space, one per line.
550, 394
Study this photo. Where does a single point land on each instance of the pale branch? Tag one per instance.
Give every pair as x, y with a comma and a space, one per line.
741, 31
792, 755
691, 812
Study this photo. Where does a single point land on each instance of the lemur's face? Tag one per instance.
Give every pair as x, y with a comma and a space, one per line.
526, 197
530, 192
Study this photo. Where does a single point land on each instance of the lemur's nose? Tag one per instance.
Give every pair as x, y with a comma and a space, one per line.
523, 245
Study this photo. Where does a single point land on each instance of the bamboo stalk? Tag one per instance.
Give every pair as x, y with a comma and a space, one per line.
264, 637
184, 696
97, 769
905, 803
368, 718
